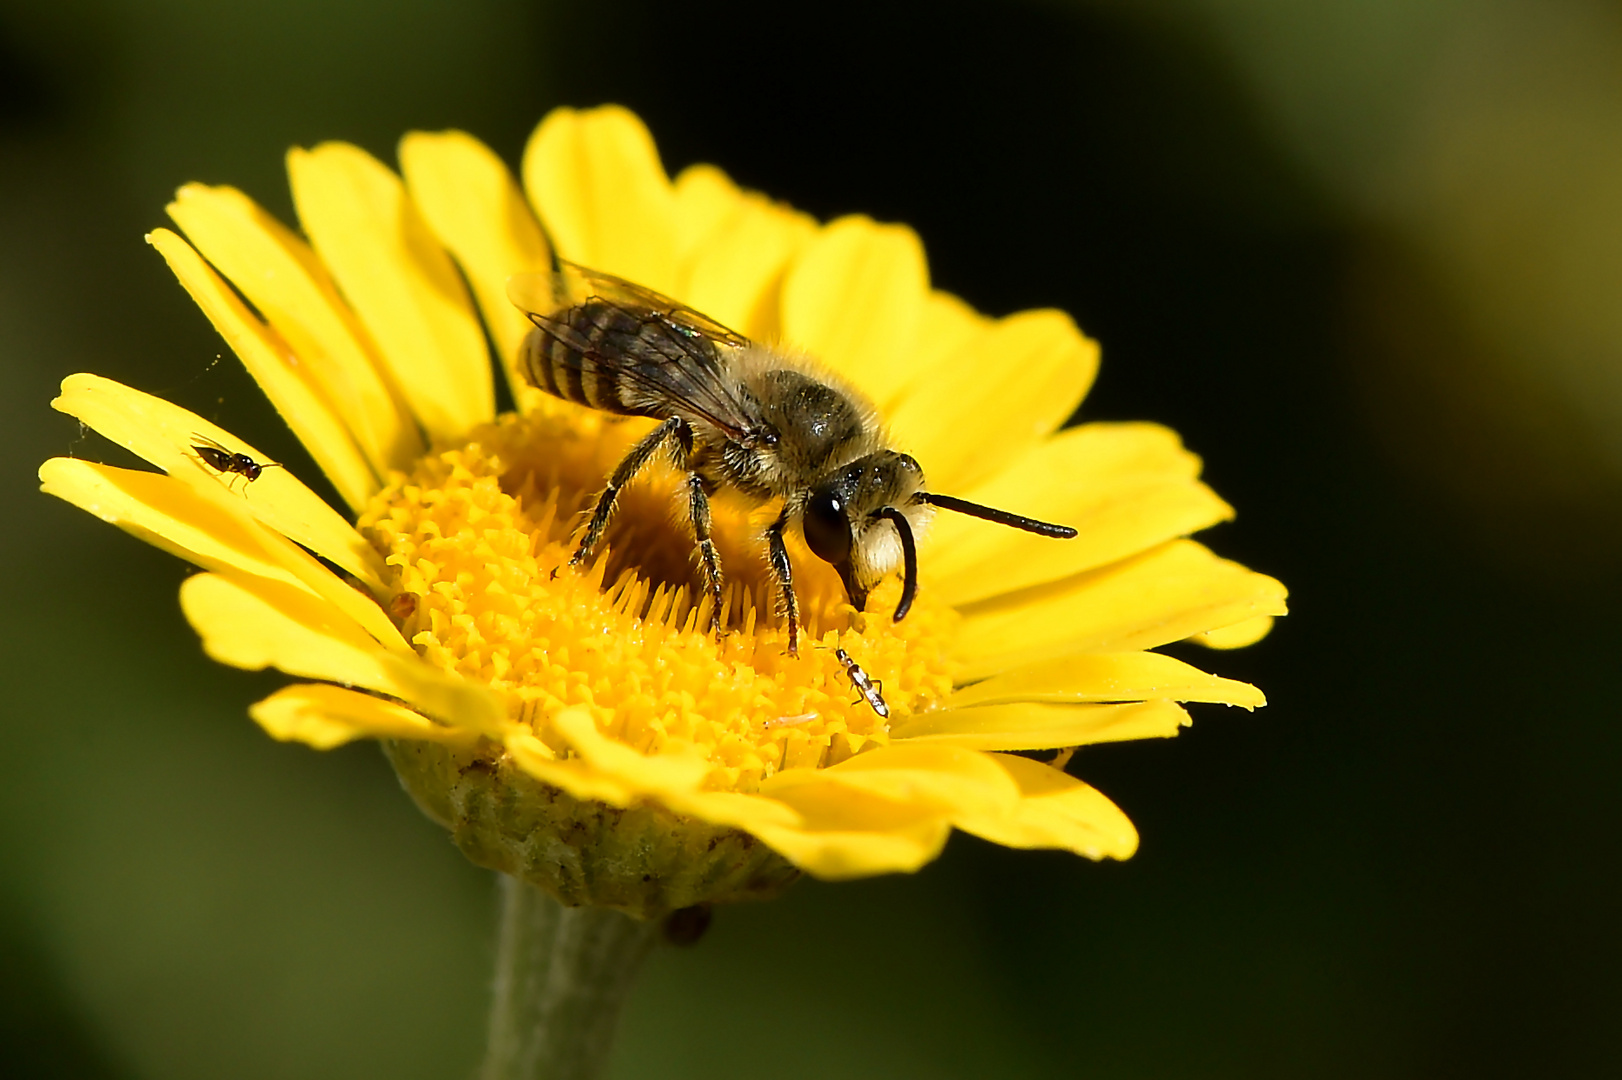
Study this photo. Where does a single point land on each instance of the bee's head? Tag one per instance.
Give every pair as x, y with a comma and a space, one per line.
863, 519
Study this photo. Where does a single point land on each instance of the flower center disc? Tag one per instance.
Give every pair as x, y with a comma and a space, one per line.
481, 537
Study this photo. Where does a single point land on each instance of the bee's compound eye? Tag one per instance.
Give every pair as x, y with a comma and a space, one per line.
827, 532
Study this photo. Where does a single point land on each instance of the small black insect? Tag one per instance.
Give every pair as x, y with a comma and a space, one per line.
868, 688
222, 460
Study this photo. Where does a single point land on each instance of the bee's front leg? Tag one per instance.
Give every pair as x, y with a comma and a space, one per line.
783, 572
631, 464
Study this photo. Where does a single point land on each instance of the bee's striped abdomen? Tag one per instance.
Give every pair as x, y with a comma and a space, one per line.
581, 355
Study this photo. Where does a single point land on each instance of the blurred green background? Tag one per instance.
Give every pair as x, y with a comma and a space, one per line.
1366, 255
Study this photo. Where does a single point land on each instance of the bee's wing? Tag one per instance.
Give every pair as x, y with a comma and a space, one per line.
664, 347
580, 283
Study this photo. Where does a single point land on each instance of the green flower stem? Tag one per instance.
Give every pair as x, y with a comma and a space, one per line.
562, 976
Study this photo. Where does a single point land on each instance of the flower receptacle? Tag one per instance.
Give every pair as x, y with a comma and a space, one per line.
643, 860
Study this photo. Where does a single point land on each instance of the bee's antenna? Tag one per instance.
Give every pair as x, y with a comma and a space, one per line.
909, 561
1001, 517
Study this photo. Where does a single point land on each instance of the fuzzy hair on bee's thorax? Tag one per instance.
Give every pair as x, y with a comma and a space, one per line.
811, 421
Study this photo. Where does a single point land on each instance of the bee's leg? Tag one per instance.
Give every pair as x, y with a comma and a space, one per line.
698, 505
783, 572
631, 464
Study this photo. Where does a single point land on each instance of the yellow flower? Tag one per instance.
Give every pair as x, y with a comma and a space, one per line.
582, 729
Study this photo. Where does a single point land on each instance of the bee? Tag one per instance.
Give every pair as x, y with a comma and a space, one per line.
739, 415
220, 459
872, 691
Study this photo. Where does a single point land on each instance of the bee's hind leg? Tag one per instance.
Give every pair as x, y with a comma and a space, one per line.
631, 464
698, 504
783, 572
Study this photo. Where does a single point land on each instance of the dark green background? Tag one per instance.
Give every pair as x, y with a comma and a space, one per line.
1404, 867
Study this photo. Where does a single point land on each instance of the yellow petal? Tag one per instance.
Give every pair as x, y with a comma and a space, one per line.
705, 197
1057, 811
1124, 487
609, 776
854, 297
947, 328
734, 277
850, 833
282, 278
572, 774
253, 623
1111, 524
870, 819
652, 775
945, 778
1036, 726
1052, 475
743, 811
1173, 592
1010, 386
319, 425
1057, 477
474, 207
166, 514
594, 178
1102, 677
399, 281
1236, 636
611, 767
166, 435
325, 716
